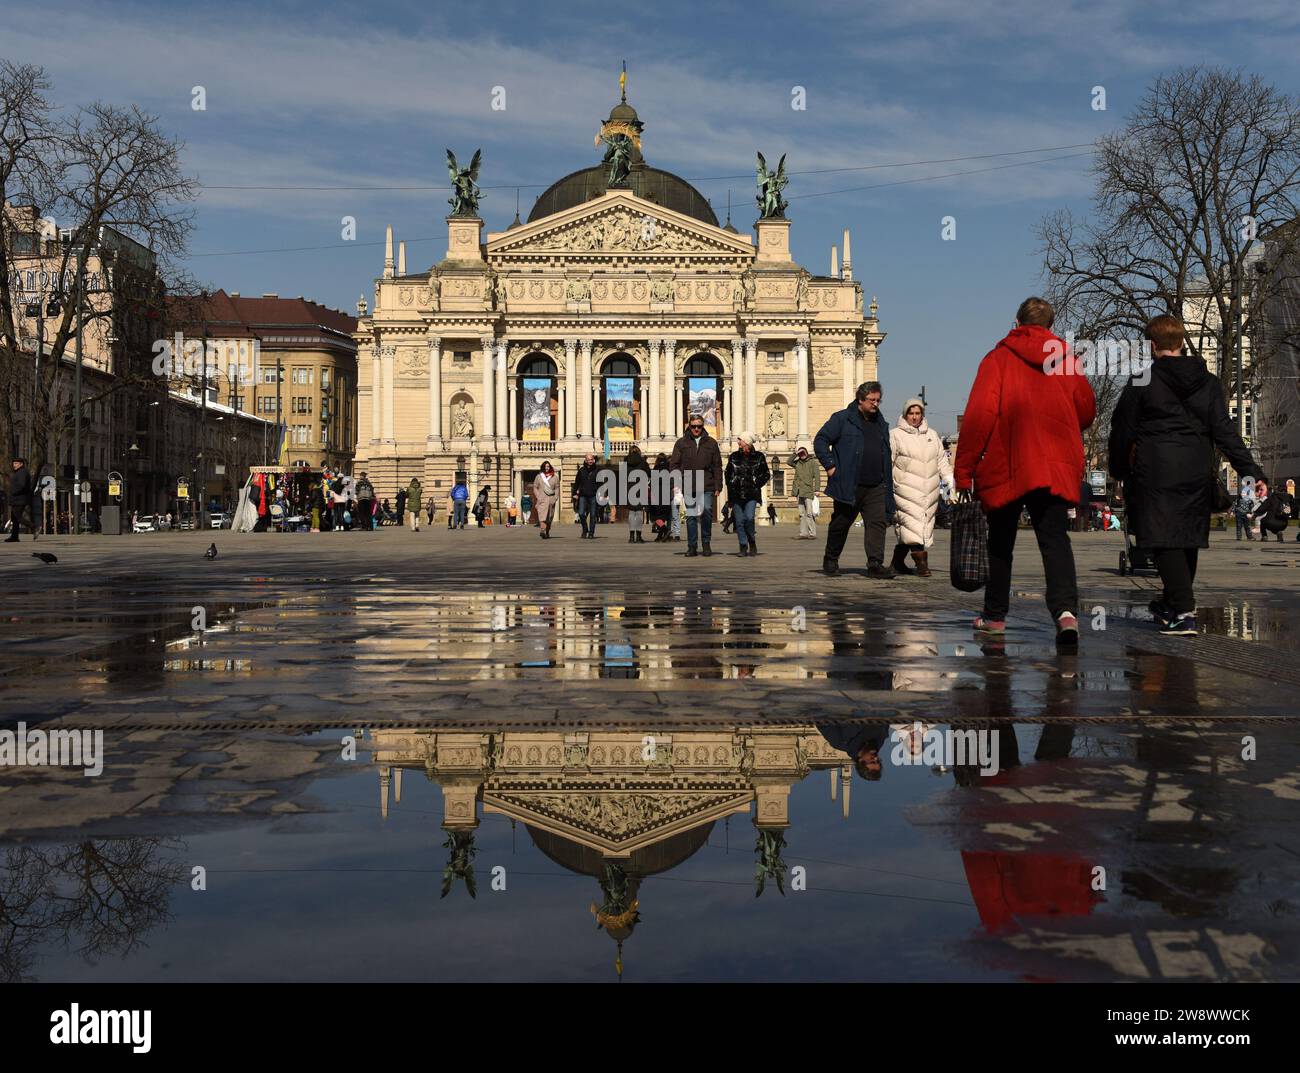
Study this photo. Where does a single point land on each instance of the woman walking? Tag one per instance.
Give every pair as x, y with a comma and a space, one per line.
661, 501
920, 464
638, 494
746, 475
1162, 439
480, 510
546, 489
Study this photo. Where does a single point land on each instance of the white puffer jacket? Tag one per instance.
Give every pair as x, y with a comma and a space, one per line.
919, 463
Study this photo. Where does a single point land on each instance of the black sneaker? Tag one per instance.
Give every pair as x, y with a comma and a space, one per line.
1180, 626
691, 552
830, 567
878, 570
707, 550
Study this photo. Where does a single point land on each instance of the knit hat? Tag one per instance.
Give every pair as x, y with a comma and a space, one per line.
913, 402
746, 437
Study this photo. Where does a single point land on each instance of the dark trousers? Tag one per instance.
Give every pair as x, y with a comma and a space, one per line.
1271, 525
870, 503
1051, 527
364, 507
587, 514
1177, 568
16, 512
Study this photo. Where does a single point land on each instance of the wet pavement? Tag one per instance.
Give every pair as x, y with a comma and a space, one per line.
333, 728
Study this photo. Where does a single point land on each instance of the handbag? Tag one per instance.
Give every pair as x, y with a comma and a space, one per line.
969, 554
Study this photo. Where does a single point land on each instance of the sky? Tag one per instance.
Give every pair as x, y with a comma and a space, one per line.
978, 110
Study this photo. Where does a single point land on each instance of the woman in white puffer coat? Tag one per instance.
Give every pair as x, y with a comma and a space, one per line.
920, 462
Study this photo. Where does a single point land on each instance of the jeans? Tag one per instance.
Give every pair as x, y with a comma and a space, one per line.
870, 503
699, 519
1051, 527
675, 522
807, 520
460, 514
743, 514
587, 514
1177, 568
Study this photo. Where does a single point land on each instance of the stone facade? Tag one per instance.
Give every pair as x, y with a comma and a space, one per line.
614, 289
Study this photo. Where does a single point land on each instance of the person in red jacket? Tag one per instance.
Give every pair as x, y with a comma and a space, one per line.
1021, 445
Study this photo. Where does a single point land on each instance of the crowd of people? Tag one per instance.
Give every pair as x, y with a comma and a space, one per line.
1020, 453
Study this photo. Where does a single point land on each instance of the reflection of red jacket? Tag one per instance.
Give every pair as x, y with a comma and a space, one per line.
1010, 885
1023, 425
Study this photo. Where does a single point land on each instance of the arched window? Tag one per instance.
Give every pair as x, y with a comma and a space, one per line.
620, 400
703, 394
538, 399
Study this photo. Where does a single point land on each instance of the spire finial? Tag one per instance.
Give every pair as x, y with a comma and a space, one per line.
622, 83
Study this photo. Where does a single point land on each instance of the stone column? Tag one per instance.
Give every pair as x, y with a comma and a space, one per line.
801, 371
388, 355
751, 385
654, 427
585, 400
736, 417
487, 425
512, 432
561, 420
673, 420
505, 418
435, 388
376, 396
850, 384
645, 409
725, 426
570, 395
859, 373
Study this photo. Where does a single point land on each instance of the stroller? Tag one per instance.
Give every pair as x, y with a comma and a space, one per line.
1133, 558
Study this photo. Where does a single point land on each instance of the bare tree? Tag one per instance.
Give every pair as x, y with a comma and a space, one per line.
1208, 162
116, 179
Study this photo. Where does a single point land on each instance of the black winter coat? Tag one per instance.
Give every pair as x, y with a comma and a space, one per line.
839, 445
1170, 428
20, 487
746, 476
586, 481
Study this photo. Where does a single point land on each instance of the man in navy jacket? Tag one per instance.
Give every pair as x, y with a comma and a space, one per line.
853, 448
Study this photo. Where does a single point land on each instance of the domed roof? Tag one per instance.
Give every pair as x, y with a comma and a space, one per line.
660, 187
647, 861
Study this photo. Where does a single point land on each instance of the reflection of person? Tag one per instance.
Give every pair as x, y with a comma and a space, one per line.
1021, 447
1162, 438
861, 741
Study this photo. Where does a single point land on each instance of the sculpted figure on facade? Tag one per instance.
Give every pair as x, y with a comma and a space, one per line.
577, 290
464, 184
462, 425
775, 422
661, 290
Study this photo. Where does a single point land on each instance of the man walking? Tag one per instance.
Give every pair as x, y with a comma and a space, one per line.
585, 486
853, 446
366, 501
807, 483
414, 501
22, 496
697, 453
1021, 446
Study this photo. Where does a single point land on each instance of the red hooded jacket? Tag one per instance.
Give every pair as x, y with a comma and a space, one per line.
1023, 425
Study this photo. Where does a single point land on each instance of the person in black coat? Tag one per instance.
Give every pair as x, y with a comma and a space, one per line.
747, 473
22, 494
1273, 512
1163, 436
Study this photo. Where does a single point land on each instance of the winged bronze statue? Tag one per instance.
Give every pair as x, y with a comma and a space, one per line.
771, 205
465, 192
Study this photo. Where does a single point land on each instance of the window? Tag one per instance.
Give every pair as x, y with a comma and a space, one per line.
325, 379
461, 357
776, 357
268, 375
302, 375
302, 404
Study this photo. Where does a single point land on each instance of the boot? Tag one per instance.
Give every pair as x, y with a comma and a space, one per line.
830, 567
877, 569
922, 559
631, 537
639, 538
705, 548
899, 562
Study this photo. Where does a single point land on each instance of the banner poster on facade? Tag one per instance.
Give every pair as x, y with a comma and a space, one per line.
537, 408
618, 409
702, 392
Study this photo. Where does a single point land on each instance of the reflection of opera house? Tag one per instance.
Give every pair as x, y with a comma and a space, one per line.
612, 803
608, 314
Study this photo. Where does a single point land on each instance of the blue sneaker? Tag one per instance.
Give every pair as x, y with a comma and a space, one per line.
1179, 626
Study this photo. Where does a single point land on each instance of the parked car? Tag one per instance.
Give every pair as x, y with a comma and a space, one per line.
145, 523
219, 519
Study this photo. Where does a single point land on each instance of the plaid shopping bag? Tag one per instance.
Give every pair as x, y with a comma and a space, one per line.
969, 565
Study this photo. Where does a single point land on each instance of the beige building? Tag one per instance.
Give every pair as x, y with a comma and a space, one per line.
607, 316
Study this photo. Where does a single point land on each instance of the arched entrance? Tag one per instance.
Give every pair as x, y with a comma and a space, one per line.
703, 394
620, 400
538, 399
